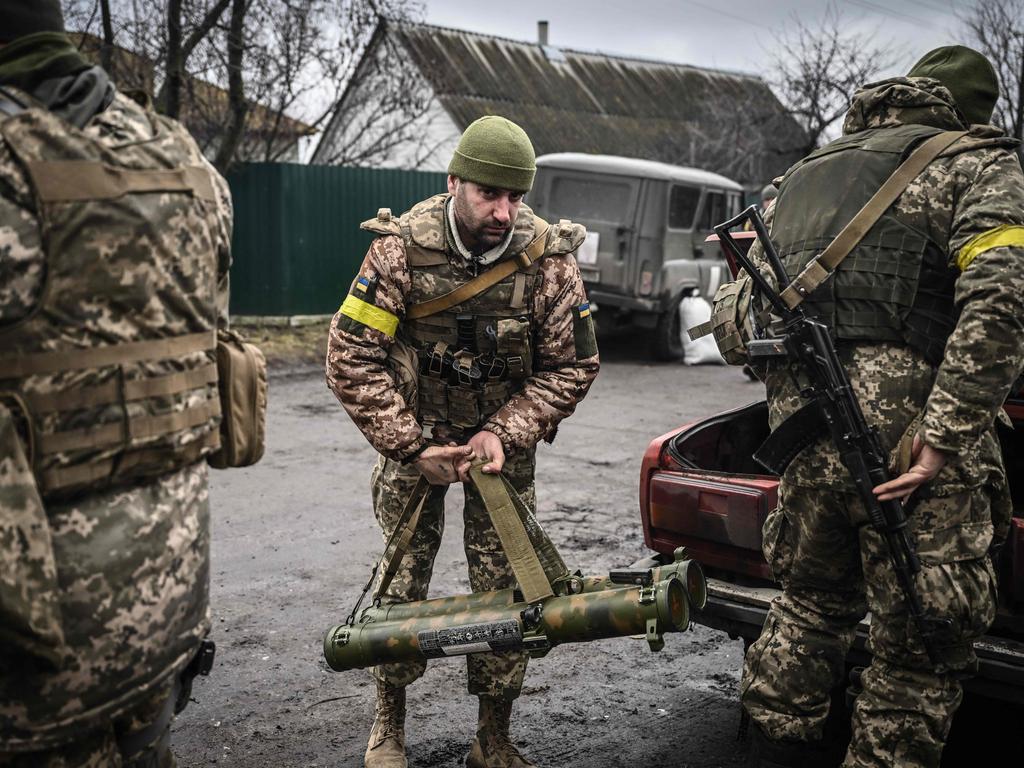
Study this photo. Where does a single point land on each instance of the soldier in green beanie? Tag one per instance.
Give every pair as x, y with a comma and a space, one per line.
925, 308
434, 379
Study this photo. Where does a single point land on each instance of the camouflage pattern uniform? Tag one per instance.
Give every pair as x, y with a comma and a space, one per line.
564, 363
103, 593
834, 567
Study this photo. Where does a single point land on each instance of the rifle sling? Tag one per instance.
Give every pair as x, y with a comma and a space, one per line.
822, 265
482, 282
798, 431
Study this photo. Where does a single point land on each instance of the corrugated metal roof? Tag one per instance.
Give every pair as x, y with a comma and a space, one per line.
604, 104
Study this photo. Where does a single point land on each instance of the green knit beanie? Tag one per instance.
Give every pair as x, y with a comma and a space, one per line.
967, 74
26, 17
495, 152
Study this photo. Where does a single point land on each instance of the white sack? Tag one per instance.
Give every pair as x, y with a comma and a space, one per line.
694, 310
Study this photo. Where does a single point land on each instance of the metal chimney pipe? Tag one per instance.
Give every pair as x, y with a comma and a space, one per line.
542, 32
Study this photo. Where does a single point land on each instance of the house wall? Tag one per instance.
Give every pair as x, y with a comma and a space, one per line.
389, 118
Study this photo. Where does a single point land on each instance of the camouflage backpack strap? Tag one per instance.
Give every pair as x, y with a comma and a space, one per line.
821, 266
523, 260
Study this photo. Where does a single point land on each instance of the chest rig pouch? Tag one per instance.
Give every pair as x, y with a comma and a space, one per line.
472, 335
474, 356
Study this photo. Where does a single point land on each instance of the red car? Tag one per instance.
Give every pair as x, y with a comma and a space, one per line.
700, 489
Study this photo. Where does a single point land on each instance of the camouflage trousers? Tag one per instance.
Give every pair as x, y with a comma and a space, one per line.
140, 738
497, 674
833, 569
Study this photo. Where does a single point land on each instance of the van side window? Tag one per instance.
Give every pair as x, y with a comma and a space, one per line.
682, 206
714, 210
592, 199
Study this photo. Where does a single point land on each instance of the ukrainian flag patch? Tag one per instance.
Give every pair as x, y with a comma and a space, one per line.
583, 331
362, 284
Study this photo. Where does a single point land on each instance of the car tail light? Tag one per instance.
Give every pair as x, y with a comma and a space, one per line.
718, 520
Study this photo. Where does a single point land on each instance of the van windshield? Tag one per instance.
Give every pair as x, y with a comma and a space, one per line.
598, 199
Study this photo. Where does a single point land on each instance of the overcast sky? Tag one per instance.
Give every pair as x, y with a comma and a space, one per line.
729, 34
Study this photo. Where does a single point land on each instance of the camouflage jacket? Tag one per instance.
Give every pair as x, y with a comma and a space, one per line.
105, 595
971, 202
358, 376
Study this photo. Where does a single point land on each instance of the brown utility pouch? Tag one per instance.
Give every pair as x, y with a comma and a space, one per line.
242, 383
731, 321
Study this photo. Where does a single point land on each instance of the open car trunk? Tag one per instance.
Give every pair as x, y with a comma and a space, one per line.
700, 488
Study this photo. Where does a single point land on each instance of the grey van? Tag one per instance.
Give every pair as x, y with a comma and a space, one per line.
646, 224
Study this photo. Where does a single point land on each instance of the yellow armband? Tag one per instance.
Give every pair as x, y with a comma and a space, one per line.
1004, 236
369, 315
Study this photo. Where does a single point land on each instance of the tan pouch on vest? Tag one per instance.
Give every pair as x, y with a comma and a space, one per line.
731, 321
242, 382
30, 616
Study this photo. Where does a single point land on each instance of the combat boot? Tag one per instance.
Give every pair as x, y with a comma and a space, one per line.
492, 747
386, 748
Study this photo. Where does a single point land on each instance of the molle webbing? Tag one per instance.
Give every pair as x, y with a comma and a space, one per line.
115, 354
86, 474
59, 181
115, 391
821, 267
119, 433
481, 283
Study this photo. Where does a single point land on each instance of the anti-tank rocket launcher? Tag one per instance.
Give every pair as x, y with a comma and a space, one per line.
548, 608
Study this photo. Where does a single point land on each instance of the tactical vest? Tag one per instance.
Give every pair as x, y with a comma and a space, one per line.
895, 284
113, 370
474, 356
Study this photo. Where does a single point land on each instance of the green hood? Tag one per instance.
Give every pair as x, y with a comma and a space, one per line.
903, 101
32, 59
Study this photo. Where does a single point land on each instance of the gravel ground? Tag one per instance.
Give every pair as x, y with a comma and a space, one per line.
294, 541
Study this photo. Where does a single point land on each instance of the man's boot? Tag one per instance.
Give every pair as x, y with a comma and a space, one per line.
492, 748
386, 748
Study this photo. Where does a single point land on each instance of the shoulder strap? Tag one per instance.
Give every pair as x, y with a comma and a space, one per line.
822, 265
400, 537
481, 283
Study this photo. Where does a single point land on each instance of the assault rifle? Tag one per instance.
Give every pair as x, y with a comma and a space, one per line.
831, 408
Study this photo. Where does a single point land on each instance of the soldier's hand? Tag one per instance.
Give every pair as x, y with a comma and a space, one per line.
484, 445
927, 462
439, 463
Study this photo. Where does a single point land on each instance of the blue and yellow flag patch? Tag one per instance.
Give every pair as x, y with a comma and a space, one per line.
584, 309
362, 284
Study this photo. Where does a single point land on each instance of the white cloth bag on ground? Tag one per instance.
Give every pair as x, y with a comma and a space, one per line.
694, 310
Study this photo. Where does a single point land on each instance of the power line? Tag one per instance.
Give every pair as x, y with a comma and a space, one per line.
889, 12
724, 13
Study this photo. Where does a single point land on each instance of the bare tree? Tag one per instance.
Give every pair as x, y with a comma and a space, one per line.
248, 83
820, 66
997, 28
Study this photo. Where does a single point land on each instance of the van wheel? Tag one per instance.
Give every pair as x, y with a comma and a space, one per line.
667, 346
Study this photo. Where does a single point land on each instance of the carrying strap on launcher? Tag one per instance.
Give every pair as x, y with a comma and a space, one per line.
822, 265
482, 282
533, 558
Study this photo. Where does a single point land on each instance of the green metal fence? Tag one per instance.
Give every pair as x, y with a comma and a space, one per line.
297, 242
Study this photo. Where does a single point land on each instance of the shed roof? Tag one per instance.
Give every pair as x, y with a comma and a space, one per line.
631, 166
607, 104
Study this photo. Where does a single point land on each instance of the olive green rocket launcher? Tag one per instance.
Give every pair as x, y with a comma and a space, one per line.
551, 606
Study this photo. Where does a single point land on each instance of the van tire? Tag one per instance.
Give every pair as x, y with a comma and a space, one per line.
666, 345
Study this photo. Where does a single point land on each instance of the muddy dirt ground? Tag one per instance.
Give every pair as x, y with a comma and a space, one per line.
294, 541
